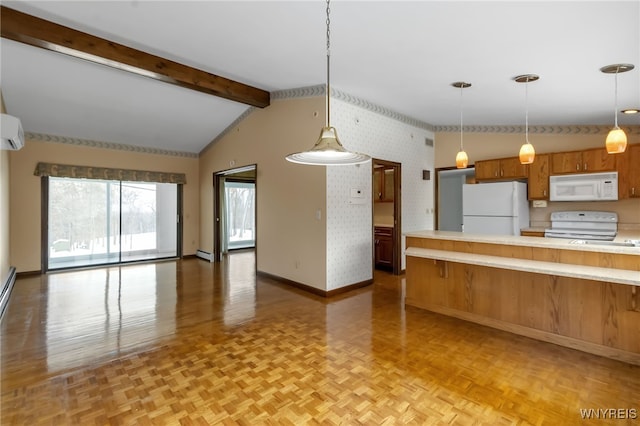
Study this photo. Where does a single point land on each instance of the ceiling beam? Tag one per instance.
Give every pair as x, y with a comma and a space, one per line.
38, 32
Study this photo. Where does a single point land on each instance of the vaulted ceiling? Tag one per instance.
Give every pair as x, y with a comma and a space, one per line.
400, 55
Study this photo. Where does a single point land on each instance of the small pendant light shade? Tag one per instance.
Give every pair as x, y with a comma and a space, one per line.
527, 152
616, 141
462, 159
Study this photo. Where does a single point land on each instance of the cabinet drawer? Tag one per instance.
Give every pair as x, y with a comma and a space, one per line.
382, 231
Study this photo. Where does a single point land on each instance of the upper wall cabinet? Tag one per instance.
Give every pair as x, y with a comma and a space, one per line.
383, 184
587, 161
538, 185
503, 168
629, 172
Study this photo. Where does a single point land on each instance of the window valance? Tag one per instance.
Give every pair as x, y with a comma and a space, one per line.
107, 173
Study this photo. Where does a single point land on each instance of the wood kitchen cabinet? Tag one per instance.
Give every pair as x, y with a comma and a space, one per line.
629, 172
383, 250
500, 169
383, 184
538, 185
587, 161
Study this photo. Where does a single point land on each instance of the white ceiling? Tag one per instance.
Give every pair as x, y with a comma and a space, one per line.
400, 55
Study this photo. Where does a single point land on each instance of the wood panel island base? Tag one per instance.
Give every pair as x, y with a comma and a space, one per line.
580, 296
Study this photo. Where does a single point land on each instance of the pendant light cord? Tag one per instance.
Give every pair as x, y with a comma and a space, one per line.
526, 111
461, 131
328, 56
615, 101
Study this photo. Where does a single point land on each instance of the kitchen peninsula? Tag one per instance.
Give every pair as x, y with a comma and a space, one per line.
583, 296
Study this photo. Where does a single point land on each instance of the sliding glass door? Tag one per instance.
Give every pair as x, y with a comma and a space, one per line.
92, 222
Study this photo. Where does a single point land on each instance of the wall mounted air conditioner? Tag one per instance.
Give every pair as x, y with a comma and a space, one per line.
11, 133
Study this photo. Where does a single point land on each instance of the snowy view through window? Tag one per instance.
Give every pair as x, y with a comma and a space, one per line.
96, 222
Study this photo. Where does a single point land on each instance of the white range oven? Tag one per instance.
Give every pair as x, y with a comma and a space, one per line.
583, 225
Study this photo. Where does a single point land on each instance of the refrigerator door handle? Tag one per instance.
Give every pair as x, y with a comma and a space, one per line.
514, 208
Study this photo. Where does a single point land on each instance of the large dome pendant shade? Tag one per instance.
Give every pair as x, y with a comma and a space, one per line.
616, 142
328, 151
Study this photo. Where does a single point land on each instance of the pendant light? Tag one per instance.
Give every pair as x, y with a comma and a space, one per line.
462, 159
616, 141
527, 152
328, 151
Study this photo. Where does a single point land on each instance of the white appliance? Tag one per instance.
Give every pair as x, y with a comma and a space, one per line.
495, 208
584, 187
583, 225
11, 133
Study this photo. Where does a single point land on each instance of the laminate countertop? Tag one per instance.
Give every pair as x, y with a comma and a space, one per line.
516, 240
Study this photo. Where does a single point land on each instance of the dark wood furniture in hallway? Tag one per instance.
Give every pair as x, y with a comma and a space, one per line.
189, 342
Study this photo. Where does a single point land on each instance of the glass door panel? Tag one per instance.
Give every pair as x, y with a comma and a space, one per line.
81, 222
240, 209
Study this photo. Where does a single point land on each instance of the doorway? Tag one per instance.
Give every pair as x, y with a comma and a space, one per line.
234, 210
449, 197
387, 227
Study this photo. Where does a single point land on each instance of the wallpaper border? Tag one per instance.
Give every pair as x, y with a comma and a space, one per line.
541, 129
39, 137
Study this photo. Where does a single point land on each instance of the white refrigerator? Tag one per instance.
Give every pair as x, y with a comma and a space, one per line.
499, 208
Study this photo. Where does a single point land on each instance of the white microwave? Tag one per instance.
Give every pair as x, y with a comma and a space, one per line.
584, 187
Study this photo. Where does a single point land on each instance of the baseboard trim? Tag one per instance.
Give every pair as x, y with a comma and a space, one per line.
7, 286
28, 274
189, 256
314, 290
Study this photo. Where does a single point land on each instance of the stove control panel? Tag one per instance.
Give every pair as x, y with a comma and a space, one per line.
584, 216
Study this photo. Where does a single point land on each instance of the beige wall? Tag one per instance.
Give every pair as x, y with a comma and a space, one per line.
4, 208
25, 191
483, 146
290, 240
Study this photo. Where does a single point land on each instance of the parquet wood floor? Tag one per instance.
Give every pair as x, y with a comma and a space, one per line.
193, 343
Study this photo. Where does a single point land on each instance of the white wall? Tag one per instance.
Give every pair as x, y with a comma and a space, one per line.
384, 135
336, 250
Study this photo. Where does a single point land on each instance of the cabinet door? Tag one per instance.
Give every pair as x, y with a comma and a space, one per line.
487, 169
511, 168
538, 186
598, 160
566, 162
383, 184
634, 170
384, 252
388, 184
377, 184
383, 247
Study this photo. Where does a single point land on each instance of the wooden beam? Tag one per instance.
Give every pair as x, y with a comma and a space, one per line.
38, 32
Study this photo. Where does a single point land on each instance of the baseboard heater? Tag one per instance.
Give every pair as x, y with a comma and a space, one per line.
204, 255
7, 286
